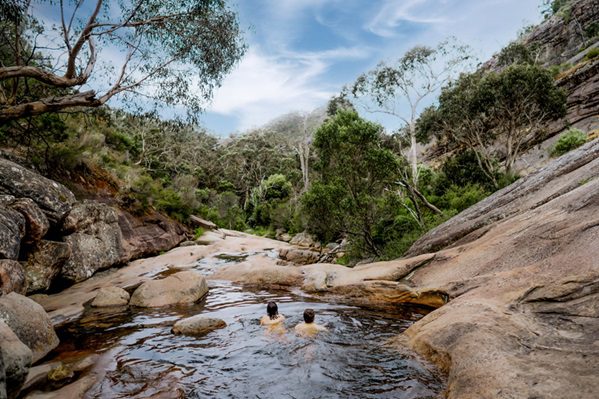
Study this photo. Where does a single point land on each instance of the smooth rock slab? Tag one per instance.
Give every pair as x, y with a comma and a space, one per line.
198, 325
12, 277
111, 296
43, 264
183, 287
28, 320
17, 359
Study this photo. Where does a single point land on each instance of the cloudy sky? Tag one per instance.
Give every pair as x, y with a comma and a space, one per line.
303, 51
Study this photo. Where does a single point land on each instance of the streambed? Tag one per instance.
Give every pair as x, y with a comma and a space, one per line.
140, 357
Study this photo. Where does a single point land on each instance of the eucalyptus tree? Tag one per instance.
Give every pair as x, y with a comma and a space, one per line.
171, 52
403, 87
298, 129
494, 114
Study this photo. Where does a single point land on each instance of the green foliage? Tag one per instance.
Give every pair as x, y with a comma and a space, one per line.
592, 54
484, 109
181, 49
355, 173
568, 141
198, 232
515, 53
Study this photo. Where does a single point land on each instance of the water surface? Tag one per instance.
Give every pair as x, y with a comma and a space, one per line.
141, 357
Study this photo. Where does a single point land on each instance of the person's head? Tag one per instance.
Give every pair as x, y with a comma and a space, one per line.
309, 315
272, 310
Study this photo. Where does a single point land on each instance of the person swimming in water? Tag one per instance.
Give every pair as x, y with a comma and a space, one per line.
272, 315
308, 327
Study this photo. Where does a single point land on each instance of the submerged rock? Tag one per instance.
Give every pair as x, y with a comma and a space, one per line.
198, 325
16, 357
110, 296
182, 287
28, 320
44, 262
95, 241
54, 199
12, 230
12, 277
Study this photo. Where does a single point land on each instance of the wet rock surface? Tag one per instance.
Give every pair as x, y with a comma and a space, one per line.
197, 325
30, 323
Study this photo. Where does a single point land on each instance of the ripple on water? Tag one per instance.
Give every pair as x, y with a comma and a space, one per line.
246, 361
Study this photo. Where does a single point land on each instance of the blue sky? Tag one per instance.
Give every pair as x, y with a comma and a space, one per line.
303, 51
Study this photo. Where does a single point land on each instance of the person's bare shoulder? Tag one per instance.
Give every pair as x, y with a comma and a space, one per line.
267, 321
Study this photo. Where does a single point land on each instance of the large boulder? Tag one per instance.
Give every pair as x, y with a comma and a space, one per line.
299, 256
12, 277
54, 199
304, 240
198, 325
183, 287
17, 359
148, 235
110, 296
37, 223
12, 230
95, 240
44, 262
28, 320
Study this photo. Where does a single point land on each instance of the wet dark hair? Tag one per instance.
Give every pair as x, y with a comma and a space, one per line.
272, 310
309, 315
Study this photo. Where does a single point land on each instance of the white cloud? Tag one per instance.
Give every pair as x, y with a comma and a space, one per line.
392, 13
265, 86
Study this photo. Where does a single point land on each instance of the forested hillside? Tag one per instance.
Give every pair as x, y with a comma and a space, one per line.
332, 172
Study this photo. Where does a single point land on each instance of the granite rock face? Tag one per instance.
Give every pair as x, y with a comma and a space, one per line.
95, 240
12, 277
36, 223
44, 262
148, 235
54, 199
12, 230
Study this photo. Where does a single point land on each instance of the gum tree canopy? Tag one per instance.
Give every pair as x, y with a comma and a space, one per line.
173, 52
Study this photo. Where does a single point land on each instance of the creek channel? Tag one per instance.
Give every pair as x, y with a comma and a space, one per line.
141, 357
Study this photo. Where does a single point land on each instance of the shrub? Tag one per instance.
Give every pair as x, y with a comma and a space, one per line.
592, 54
568, 141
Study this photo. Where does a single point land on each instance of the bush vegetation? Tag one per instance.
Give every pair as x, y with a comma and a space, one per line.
568, 141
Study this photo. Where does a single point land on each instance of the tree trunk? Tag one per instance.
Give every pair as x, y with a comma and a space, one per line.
413, 158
